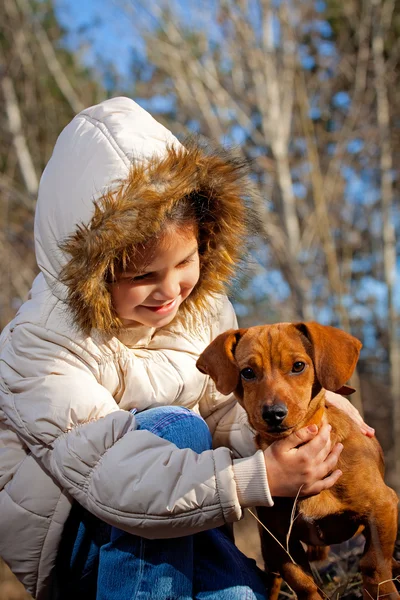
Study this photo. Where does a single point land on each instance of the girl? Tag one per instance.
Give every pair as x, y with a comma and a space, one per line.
136, 238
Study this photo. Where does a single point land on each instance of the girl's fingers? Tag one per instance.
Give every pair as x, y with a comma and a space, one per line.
330, 462
297, 438
323, 472
322, 484
320, 445
367, 430
345, 405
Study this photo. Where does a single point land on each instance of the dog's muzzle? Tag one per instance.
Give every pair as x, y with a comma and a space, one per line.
274, 415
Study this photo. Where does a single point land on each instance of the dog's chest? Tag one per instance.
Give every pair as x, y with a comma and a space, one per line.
309, 531
319, 524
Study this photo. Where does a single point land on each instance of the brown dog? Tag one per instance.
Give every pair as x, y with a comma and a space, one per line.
278, 373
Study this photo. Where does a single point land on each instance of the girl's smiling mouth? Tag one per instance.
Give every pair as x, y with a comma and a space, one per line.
163, 308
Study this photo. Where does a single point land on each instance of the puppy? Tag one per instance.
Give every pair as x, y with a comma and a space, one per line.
279, 374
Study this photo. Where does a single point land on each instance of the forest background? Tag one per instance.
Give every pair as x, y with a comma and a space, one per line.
308, 91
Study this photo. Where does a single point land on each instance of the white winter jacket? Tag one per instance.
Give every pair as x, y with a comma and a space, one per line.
66, 384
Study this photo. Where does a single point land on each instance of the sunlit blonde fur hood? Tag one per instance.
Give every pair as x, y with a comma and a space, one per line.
114, 174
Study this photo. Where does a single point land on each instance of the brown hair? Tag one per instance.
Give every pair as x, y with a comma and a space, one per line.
209, 185
186, 212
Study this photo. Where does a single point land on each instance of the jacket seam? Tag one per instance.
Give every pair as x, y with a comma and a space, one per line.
153, 517
109, 358
217, 487
51, 520
96, 501
63, 433
70, 342
126, 354
181, 383
234, 427
110, 510
92, 468
50, 312
45, 519
100, 125
31, 512
20, 421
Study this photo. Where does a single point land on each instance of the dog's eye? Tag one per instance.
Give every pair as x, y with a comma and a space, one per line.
298, 366
248, 374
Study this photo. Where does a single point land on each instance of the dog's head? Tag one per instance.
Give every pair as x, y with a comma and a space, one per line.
276, 371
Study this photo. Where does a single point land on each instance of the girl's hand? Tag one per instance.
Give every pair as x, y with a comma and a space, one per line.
345, 405
303, 460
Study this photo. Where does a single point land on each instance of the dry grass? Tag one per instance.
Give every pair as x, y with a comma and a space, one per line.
338, 577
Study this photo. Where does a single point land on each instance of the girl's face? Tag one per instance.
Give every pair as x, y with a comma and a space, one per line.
152, 296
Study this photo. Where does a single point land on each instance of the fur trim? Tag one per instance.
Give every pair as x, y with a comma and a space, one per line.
134, 211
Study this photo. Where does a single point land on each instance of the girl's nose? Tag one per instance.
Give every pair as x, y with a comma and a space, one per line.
167, 289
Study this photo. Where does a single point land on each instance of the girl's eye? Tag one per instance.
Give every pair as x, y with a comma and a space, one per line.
247, 374
298, 366
140, 277
186, 262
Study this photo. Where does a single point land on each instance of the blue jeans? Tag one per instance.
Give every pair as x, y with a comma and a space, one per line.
96, 561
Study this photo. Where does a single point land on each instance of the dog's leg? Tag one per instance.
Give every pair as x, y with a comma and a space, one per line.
298, 575
380, 534
274, 582
293, 568
395, 568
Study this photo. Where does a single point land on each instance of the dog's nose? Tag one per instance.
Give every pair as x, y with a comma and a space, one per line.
273, 415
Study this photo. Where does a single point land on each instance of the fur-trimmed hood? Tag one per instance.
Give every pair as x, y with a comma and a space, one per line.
113, 175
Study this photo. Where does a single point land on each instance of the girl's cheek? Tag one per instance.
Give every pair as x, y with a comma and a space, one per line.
190, 285
138, 295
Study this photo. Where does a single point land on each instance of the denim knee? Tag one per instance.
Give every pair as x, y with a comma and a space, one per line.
177, 424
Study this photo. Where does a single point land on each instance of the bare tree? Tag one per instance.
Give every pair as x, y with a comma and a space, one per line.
382, 16
265, 90
38, 83
311, 97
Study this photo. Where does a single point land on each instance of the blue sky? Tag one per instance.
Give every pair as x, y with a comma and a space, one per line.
102, 29
105, 27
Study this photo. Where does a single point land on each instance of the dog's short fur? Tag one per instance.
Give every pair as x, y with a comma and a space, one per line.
286, 368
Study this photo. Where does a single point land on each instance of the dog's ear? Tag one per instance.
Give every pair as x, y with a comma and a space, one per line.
345, 390
334, 352
218, 361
